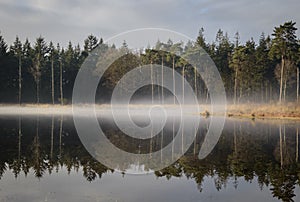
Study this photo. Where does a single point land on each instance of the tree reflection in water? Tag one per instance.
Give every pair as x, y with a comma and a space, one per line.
247, 150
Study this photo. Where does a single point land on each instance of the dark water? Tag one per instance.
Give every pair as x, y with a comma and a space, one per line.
42, 159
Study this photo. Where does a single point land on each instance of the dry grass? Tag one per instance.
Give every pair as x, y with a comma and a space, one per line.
288, 110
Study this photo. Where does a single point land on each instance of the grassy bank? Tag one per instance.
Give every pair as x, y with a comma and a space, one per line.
275, 111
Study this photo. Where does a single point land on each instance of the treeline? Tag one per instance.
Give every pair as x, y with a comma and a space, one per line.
265, 72
40, 72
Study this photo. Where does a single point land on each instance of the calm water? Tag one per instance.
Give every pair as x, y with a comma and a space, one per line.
42, 159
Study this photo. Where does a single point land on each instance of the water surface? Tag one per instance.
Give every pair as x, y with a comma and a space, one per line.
42, 159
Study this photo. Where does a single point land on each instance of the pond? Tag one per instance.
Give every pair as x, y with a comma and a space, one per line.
43, 159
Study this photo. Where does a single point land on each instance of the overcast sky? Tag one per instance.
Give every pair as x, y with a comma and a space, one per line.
64, 20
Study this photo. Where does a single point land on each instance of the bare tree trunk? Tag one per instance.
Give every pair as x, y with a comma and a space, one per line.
61, 83
173, 71
162, 101
182, 129
20, 79
195, 78
174, 101
267, 98
162, 80
284, 87
183, 84
38, 77
206, 100
38, 91
281, 79
52, 79
241, 94
271, 93
152, 86
158, 88
298, 84
151, 143
235, 87
250, 92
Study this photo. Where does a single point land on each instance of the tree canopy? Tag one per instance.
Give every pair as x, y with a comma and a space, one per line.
266, 71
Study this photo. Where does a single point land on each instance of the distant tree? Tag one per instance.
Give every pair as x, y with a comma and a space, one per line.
237, 60
124, 47
250, 72
17, 51
90, 43
40, 51
201, 40
28, 86
162, 51
237, 39
183, 64
53, 57
77, 55
3, 47
3, 64
8, 76
246, 76
151, 57
61, 58
71, 66
284, 47
220, 54
250, 77
175, 50
263, 65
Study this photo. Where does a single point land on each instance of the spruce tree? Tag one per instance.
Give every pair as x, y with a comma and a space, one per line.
38, 61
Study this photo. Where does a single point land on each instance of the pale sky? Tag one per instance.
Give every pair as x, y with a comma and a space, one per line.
61, 21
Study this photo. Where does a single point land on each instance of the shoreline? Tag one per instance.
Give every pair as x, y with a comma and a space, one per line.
250, 111
265, 111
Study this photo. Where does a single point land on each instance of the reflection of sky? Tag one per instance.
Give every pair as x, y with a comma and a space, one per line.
114, 187
61, 21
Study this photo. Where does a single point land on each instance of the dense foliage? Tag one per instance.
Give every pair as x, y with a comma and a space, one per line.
263, 72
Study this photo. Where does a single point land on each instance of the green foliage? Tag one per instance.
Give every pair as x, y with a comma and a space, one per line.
285, 42
253, 64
